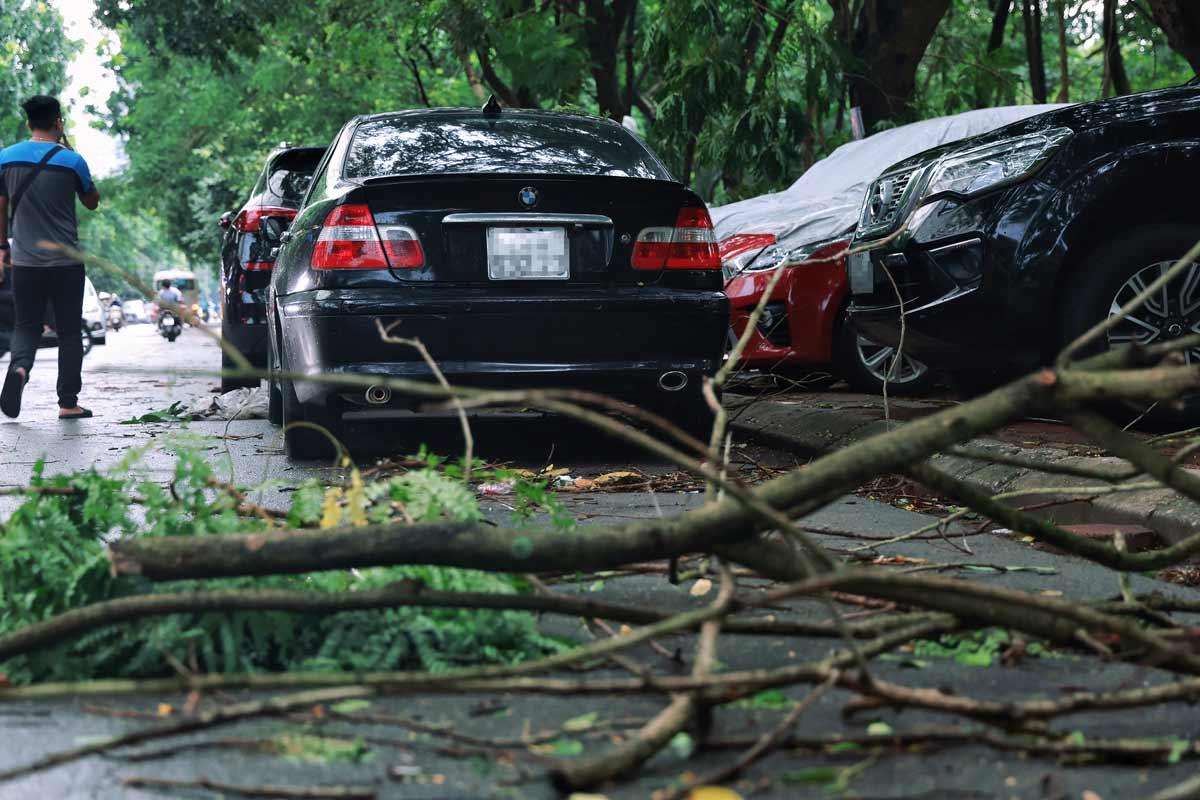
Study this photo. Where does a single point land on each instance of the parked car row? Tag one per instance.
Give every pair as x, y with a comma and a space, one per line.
804, 333
542, 249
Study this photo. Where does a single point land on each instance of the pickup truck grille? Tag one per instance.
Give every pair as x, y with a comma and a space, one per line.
884, 201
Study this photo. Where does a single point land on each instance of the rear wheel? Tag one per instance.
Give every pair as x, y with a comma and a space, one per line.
302, 441
230, 384
86, 338
867, 365
1119, 271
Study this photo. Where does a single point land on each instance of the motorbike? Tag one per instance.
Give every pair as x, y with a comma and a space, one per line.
116, 317
169, 325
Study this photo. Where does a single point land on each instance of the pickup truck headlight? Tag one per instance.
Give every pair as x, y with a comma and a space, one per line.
992, 166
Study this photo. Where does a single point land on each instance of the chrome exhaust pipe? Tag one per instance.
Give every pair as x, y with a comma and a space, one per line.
672, 381
379, 395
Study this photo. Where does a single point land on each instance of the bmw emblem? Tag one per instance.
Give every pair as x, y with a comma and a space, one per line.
528, 197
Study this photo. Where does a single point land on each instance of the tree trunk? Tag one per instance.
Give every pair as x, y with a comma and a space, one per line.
1180, 20
999, 24
473, 79
784, 18
889, 42
1116, 81
1031, 11
1064, 71
602, 26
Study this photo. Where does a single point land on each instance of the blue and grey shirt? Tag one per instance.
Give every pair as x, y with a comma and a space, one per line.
47, 210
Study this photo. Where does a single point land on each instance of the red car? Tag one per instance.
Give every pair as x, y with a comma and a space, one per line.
802, 333
814, 346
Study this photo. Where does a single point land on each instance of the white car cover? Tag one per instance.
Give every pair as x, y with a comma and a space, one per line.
825, 201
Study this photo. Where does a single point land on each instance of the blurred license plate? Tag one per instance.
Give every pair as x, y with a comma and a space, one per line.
862, 273
528, 254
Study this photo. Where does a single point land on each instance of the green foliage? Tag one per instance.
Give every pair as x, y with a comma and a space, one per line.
979, 648
52, 559
34, 54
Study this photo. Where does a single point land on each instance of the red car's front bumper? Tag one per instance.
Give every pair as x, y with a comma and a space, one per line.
812, 295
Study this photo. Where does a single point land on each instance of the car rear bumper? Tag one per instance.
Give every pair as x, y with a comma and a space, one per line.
615, 340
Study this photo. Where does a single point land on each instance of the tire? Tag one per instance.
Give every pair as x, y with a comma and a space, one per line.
231, 384
304, 443
86, 337
1113, 272
274, 403
850, 355
171, 337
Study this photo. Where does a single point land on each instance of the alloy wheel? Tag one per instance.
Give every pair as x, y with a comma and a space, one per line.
1169, 313
879, 360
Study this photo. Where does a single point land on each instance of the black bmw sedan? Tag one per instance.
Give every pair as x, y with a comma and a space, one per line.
523, 248
1006, 247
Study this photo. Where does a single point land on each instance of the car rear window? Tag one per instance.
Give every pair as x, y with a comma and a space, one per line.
510, 143
286, 187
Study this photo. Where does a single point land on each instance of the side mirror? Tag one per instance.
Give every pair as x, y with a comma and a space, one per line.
223, 222
270, 229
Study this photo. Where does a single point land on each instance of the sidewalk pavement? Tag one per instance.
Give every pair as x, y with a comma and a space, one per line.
813, 423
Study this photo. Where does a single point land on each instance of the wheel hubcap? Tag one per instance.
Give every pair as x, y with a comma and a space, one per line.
880, 360
1171, 312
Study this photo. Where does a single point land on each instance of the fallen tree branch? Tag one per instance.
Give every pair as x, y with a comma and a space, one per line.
52, 631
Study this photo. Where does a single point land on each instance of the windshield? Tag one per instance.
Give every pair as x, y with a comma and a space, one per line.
506, 144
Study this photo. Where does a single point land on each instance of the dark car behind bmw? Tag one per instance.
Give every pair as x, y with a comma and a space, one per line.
1020, 240
246, 257
523, 248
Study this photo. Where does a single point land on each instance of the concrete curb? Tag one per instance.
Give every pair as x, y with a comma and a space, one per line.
814, 431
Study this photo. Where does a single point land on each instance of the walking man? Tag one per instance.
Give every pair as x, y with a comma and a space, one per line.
39, 180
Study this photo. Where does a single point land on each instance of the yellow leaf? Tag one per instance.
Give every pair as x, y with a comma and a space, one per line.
585, 796
713, 793
626, 630
551, 472
584, 483
331, 509
165, 709
701, 588
356, 499
617, 477
1052, 593
1088, 794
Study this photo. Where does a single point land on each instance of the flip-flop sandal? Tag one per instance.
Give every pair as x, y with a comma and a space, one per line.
10, 395
84, 413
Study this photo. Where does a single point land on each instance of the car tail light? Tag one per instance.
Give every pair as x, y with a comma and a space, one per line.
248, 220
259, 266
350, 240
691, 244
402, 246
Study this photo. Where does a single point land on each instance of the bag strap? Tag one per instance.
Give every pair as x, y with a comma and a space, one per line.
29, 179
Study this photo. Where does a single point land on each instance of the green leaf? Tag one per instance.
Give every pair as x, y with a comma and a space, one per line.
843, 747
879, 728
350, 706
819, 776
582, 722
567, 747
682, 745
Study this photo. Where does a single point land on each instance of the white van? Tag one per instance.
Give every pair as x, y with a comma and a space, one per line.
93, 312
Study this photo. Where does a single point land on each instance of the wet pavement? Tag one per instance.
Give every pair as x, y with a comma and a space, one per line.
395, 762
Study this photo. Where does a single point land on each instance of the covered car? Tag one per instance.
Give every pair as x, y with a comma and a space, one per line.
524, 249
802, 329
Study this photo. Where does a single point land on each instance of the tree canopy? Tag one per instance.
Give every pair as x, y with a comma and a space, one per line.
738, 97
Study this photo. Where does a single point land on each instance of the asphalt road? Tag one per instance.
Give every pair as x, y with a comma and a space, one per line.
126, 379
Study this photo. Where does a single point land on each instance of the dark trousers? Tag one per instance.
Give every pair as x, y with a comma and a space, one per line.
62, 288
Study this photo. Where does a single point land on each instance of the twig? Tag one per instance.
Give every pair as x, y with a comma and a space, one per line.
468, 440
266, 790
